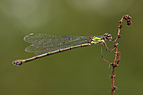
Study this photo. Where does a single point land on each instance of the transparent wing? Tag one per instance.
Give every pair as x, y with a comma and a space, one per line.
42, 43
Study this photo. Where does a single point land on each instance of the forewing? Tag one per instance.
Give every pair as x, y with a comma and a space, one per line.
42, 43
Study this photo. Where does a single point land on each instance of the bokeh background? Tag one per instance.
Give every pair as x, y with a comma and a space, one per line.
76, 72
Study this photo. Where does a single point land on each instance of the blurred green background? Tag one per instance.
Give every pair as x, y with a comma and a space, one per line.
77, 72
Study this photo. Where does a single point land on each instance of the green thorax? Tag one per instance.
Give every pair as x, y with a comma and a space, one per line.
97, 39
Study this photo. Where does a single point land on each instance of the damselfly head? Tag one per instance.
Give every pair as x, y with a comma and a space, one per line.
107, 36
17, 62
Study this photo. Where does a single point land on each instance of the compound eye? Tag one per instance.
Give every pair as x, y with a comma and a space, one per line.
109, 35
106, 34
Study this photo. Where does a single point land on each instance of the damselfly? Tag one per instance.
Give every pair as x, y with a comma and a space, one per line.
43, 44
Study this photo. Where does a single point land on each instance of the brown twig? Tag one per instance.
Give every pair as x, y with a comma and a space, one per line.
116, 59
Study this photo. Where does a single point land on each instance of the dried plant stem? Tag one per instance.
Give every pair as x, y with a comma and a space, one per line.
116, 59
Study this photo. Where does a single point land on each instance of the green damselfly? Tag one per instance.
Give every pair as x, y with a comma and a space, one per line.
43, 44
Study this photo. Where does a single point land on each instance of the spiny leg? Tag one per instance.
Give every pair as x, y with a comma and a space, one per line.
114, 41
109, 49
107, 61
